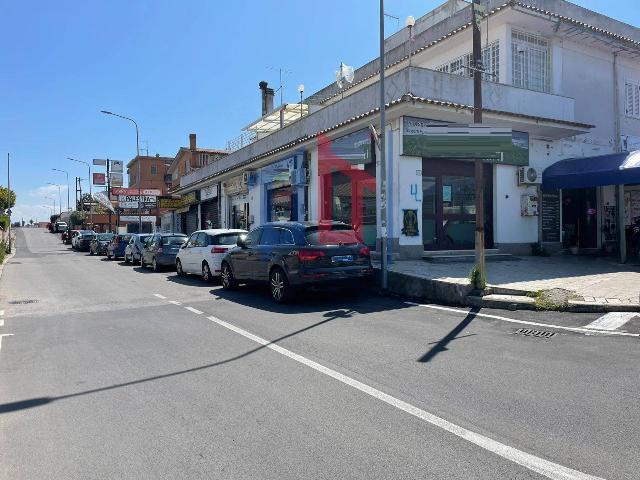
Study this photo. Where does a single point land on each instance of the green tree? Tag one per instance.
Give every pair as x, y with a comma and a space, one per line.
7, 198
76, 218
85, 200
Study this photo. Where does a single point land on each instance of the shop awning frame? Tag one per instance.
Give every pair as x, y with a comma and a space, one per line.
612, 169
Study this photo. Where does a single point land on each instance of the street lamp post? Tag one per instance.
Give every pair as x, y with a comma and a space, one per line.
59, 195
90, 190
383, 163
301, 90
139, 180
54, 204
67, 174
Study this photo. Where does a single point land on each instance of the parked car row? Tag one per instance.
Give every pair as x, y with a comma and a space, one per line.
286, 256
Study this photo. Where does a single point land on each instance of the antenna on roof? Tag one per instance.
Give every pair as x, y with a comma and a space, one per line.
397, 19
280, 72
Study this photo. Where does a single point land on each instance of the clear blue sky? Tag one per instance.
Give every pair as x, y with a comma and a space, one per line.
175, 66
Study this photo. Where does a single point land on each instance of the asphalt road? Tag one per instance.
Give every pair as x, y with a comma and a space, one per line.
101, 376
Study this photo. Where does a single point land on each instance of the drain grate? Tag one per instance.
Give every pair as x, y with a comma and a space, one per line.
22, 302
529, 332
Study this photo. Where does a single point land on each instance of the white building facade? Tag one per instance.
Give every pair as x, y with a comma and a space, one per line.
560, 82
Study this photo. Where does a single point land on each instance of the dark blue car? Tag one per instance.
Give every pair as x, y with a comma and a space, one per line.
290, 256
116, 247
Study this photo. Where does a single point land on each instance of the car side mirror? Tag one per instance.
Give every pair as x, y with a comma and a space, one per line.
241, 241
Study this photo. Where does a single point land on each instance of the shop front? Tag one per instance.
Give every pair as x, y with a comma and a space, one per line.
236, 189
189, 213
209, 207
283, 183
448, 154
347, 183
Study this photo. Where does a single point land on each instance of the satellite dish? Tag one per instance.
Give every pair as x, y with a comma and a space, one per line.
346, 73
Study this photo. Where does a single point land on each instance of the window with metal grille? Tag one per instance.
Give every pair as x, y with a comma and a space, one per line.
531, 62
490, 63
632, 99
154, 169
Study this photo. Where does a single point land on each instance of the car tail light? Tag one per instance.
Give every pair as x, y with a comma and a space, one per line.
365, 251
218, 250
309, 255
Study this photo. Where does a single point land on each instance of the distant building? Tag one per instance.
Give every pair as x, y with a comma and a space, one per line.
153, 171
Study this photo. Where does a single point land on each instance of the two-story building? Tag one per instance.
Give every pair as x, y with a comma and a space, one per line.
559, 82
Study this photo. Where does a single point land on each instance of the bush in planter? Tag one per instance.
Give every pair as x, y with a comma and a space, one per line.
538, 250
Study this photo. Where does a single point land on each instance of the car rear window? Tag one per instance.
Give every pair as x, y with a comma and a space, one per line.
173, 240
105, 236
331, 235
124, 238
224, 239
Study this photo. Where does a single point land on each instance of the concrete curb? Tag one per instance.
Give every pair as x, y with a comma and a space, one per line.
461, 295
6, 260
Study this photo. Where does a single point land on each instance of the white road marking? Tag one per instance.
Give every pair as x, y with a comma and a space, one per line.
175, 302
526, 322
191, 309
4, 335
159, 296
539, 465
612, 320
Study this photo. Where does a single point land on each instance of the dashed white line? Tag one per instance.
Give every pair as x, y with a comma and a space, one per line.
159, 296
612, 320
174, 302
539, 465
4, 335
526, 322
191, 309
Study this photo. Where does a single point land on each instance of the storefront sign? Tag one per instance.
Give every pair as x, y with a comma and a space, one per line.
550, 216
134, 191
117, 166
99, 161
209, 192
410, 222
190, 198
431, 138
169, 202
235, 185
116, 179
134, 218
99, 179
355, 148
134, 198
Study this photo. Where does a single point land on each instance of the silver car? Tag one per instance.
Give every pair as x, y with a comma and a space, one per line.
133, 251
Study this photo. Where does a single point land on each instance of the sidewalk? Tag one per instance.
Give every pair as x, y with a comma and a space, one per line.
591, 281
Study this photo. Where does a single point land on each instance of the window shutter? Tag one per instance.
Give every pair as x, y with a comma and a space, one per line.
632, 99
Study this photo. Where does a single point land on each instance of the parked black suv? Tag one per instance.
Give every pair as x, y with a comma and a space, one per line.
288, 255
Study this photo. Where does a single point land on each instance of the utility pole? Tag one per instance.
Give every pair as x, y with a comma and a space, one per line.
9, 193
383, 163
477, 119
109, 192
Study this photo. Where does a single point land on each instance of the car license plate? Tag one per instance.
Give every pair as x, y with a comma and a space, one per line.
342, 259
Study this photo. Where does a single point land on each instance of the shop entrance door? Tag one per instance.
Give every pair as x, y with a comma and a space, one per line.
580, 218
449, 204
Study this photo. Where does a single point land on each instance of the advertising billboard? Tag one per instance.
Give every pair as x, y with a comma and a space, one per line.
117, 166
99, 179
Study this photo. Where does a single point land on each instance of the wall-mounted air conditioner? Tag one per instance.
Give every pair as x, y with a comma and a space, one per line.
529, 176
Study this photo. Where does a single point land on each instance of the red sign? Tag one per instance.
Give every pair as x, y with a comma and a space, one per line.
99, 179
134, 191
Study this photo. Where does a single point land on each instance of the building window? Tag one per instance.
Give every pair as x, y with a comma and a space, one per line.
490, 61
531, 62
632, 99
154, 170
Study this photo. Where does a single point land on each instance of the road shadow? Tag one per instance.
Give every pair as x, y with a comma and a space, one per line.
309, 301
441, 346
39, 401
191, 281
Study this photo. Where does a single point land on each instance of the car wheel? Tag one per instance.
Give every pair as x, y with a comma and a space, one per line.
279, 286
154, 264
226, 277
126, 259
108, 256
206, 272
91, 252
179, 269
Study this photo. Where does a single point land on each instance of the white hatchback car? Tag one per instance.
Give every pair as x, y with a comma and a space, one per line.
203, 252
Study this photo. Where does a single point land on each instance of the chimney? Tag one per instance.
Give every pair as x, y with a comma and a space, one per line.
267, 97
192, 141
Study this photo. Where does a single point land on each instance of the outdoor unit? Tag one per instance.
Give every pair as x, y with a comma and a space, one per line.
249, 178
529, 176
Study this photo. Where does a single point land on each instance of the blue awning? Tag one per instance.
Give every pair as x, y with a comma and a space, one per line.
613, 169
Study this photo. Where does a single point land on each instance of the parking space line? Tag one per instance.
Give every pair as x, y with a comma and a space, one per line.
536, 464
612, 320
526, 322
159, 296
174, 302
4, 335
191, 309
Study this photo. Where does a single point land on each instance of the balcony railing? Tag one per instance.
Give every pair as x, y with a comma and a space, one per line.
241, 141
